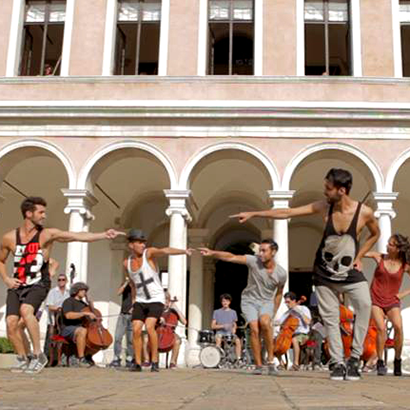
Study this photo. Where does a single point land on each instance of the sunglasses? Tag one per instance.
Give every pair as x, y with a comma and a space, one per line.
62, 280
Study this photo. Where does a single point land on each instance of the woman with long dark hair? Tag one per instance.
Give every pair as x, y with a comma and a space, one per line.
386, 296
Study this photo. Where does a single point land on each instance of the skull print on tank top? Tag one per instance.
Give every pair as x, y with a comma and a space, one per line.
147, 282
337, 252
29, 265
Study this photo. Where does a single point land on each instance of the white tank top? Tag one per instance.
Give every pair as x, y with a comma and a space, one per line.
147, 282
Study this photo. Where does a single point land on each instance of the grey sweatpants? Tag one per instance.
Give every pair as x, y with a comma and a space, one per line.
328, 301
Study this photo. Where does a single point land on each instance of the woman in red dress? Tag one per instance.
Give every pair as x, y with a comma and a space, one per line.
386, 297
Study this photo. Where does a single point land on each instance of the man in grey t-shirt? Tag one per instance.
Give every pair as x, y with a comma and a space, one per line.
261, 297
224, 322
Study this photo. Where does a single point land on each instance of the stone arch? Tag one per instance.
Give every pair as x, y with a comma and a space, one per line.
394, 169
269, 166
86, 171
47, 146
305, 153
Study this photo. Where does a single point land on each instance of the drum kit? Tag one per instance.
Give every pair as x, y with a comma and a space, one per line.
213, 356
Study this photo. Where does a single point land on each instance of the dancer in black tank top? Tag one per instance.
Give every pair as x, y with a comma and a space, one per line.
31, 246
338, 263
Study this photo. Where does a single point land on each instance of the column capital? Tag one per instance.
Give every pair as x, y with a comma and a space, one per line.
179, 203
81, 201
281, 199
384, 202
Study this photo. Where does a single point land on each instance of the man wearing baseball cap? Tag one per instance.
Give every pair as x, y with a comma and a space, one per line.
148, 292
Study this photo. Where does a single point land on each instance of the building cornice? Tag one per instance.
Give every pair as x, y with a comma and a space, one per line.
179, 110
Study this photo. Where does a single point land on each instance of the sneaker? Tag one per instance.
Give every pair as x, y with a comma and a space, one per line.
338, 372
115, 363
397, 367
90, 360
135, 367
84, 363
37, 364
272, 370
129, 363
381, 368
352, 369
172, 366
257, 371
146, 364
20, 365
154, 367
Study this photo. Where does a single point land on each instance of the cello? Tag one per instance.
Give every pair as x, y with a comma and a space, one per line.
166, 330
98, 337
283, 341
369, 345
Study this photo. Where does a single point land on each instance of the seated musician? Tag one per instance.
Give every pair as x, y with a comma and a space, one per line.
170, 307
73, 316
301, 334
224, 322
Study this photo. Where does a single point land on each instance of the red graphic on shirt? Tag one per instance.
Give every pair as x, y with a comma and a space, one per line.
29, 254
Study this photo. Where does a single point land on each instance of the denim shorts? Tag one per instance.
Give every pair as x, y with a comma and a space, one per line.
69, 331
253, 310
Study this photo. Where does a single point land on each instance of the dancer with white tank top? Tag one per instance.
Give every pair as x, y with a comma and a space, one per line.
147, 292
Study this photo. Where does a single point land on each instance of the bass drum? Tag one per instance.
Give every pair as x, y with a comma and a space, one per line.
211, 356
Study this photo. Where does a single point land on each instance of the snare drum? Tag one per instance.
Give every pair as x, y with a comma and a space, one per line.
211, 356
206, 337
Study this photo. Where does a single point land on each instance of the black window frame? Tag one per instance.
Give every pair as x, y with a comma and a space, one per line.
403, 24
326, 23
46, 23
231, 21
119, 61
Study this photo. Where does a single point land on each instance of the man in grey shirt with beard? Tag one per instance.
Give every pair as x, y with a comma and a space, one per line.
261, 297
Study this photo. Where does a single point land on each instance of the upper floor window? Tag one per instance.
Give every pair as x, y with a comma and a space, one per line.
231, 37
404, 11
137, 44
42, 37
327, 37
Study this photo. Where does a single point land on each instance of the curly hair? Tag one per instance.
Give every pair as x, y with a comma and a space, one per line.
403, 245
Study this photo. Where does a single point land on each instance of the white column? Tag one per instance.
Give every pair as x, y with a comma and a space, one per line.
258, 24
16, 29
385, 213
356, 38
280, 200
197, 238
177, 264
80, 202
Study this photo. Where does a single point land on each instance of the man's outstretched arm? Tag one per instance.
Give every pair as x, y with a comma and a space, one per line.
224, 256
55, 235
310, 209
158, 252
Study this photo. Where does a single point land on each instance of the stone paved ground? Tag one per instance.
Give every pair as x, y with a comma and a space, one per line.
194, 389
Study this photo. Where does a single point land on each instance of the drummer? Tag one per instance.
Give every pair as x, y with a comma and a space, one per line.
224, 322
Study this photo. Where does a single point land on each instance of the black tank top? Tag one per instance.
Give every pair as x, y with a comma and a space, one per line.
29, 264
337, 252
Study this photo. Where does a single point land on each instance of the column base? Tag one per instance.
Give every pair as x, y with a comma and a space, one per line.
192, 356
